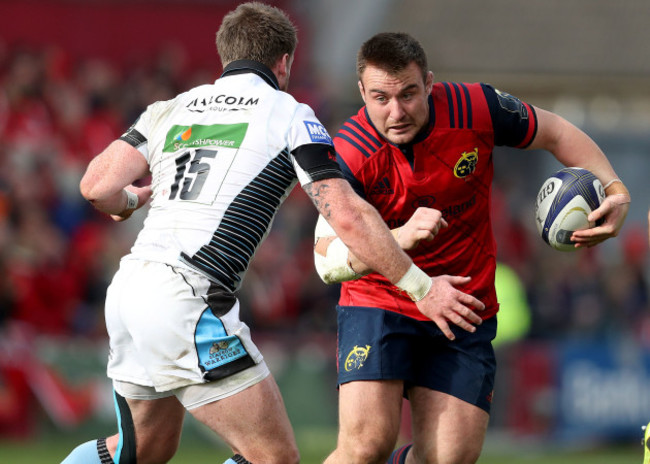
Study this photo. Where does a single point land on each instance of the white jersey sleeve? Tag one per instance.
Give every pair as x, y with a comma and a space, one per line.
313, 151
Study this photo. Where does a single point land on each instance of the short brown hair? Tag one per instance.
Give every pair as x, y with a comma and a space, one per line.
256, 31
391, 52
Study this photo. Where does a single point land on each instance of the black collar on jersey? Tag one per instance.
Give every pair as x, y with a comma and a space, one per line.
250, 66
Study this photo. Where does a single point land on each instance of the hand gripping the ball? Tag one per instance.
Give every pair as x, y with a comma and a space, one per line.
445, 303
610, 216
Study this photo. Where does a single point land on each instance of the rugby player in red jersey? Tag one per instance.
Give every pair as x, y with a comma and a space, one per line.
421, 153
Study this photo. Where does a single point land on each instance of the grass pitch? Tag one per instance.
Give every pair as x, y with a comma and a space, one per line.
314, 446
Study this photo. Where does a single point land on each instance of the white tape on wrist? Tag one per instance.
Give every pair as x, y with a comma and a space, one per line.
131, 200
415, 282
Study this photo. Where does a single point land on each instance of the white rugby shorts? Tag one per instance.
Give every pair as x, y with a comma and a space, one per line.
169, 327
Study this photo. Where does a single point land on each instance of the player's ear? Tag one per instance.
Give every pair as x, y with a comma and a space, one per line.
282, 70
363, 95
428, 82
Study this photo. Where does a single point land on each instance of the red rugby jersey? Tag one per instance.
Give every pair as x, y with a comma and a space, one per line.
448, 167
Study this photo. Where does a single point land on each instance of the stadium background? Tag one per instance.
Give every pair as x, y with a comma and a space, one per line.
574, 342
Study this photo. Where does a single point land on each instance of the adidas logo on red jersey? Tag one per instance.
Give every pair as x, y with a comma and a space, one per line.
382, 187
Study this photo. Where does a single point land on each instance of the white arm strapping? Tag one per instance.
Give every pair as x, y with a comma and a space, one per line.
131, 200
334, 267
416, 283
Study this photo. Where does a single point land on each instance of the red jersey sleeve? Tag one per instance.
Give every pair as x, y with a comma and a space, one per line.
514, 121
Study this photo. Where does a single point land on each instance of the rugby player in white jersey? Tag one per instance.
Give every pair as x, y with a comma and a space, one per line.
222, 158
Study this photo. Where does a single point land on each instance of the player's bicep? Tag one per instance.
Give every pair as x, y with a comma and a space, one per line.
550, 129
315, 162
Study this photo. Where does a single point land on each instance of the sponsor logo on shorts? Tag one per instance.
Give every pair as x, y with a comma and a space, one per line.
466, 164
218, 346
356, 358
317, 132
223, 351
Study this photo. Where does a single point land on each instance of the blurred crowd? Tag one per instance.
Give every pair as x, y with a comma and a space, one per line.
57, 254
55, 115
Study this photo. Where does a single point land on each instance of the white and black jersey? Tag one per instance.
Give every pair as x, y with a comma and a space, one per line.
223, 158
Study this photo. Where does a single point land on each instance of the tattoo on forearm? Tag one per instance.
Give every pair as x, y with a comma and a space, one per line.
318, 197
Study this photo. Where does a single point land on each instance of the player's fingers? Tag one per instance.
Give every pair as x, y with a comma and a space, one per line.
457, 280
595, 233
467, 314
431, 233
444, 328
589, 243
463, 324
599, 212
424, 234
613, 208
469, 300
117, 218
453, 316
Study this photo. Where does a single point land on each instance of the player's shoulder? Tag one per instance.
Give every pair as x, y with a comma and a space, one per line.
358, 138
453, 93
461, 105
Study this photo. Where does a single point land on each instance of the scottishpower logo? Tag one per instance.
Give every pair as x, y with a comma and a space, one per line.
200, 136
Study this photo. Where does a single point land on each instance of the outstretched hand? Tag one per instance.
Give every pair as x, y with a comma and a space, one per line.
444, 304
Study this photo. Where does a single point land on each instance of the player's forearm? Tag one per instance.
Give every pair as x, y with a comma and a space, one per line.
358, 265
362, 230
371, 245
109, 174
360, 227
99, 188
115, 203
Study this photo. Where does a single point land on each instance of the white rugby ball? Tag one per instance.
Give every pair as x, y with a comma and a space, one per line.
563, 204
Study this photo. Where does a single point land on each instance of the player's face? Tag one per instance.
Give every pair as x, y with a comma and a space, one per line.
397, 103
